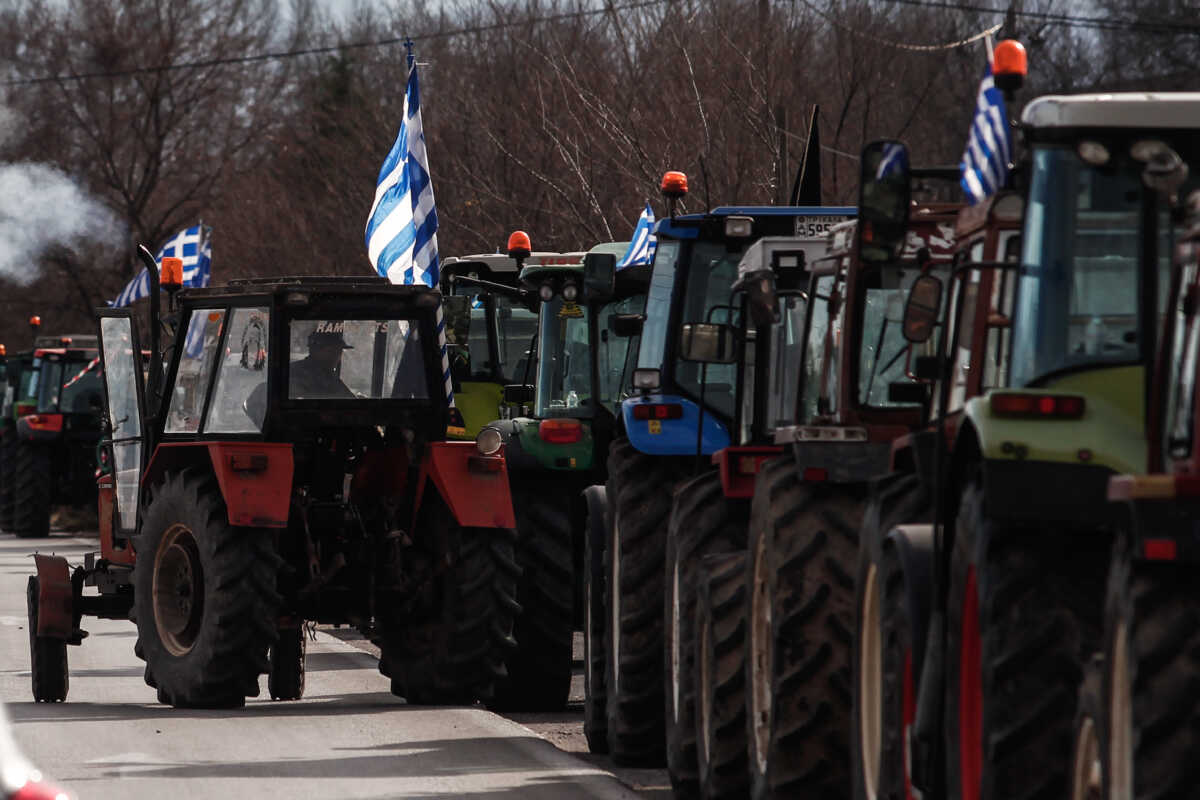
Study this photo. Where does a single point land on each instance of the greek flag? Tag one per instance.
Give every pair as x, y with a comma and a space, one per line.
984, 164
641, 248
402, 226
193, 246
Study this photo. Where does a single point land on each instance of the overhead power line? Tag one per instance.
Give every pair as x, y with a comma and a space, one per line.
311, 51
1068, 20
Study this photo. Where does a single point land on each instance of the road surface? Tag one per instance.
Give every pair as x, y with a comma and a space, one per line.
349, 737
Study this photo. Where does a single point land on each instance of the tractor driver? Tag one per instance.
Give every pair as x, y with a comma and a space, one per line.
317, 375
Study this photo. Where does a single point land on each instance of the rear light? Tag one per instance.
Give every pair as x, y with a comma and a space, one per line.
1159, 549
815, 475
560, 431
45, 422
748, 465
1037, 406
658, 411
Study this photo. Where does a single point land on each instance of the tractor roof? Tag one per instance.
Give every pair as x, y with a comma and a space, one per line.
1135, 110
314, 287
499, 263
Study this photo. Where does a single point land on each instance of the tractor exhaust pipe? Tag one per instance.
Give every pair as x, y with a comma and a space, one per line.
153, 389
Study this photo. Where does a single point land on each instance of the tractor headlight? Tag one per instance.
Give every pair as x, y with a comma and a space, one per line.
488, 441
570, 292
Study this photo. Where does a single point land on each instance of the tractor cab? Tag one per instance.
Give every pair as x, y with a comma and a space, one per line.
695, 266
492, 331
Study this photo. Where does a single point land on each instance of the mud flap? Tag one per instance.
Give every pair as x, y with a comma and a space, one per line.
474, 487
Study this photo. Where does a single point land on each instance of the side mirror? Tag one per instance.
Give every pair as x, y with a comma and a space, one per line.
626, 325
707, 342
599, 274
518, 394
884, 194
921, 311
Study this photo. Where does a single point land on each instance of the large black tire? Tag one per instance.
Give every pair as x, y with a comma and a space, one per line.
8, 476
539, 671
285, 679
703, 522
205, 597
803, 547
639, 505
31, 491
1152, 699
452, 651
1087, 754
721, 678
1023, 619
595, 699
886, 671
47, 655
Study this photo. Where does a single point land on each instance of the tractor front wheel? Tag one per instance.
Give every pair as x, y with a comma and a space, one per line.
47, 655
206, 603
31, 491
285, 680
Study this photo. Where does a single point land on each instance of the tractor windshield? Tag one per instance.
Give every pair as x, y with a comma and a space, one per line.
364, 359
70, 386
712, 271
1080, 296
564, 385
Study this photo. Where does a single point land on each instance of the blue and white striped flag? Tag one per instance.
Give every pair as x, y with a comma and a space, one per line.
402, 226
191, 245
641, 247
984, 164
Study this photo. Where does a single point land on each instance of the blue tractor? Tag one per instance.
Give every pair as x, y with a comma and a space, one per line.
681, 412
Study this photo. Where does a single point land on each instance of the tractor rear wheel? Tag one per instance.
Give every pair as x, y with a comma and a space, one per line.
1023, 618
703, 522
803, 547
1152, 657
885, 672
721, 677
8, 476
639, 495
539, 672
285, 679
205, 597
31, 491
453, 651
47, 655
595, 710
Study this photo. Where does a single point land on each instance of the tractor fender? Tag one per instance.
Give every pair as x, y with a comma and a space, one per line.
56, 597
672, 437
109, 549
913, 545
474, 487
255, 477
40, 427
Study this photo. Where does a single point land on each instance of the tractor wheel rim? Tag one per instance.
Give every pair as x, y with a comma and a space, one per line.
703, 694
676, 654
178, 590
761, 658
1120, 727
970, 694
1085, 763
614, 600
870, 687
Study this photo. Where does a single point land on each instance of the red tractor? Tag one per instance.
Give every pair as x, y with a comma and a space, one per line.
290, 467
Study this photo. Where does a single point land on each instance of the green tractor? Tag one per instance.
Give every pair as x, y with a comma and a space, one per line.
556, 442
1011, 586
490, 331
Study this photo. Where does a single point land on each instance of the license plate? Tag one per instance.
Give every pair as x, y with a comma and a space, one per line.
817, 226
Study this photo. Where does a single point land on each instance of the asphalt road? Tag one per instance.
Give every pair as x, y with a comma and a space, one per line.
348, 737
